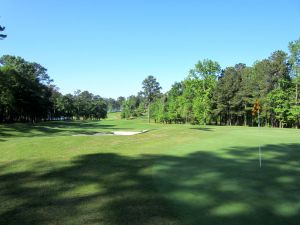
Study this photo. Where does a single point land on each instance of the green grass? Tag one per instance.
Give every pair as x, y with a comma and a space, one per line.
173, 174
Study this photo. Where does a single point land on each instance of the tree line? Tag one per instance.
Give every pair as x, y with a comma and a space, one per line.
267, 91
27, 94
211, 95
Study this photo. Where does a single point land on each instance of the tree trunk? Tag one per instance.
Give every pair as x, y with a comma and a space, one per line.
258, 119
297, 122
296, 99
149, 113
245, 116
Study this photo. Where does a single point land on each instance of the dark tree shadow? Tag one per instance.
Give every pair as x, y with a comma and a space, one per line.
202, 128
200, 188
54, 128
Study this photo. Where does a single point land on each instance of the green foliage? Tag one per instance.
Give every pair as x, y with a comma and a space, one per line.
279, 104
204, 81
228, 104
294, 114
89, 106
174, 107
126, 112
114, 105
294, 58
294, 61
25, 90
133, 106
210, 95
27, 94
151, 89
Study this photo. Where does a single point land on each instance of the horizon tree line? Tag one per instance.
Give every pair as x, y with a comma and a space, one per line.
208, 95
211, 95
27, 94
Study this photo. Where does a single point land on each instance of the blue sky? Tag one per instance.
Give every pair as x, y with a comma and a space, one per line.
109, 47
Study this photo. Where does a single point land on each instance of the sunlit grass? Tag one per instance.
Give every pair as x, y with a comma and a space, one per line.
173, 174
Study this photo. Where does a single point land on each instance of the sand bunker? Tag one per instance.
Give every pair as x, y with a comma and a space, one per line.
127, 133
119, 133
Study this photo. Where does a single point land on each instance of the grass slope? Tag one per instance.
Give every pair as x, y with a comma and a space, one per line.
174, 174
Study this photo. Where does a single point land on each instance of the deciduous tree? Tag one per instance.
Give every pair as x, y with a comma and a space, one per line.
151, 91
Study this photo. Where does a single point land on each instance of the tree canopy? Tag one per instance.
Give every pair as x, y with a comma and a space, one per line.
209, 95
151, 91
27, 94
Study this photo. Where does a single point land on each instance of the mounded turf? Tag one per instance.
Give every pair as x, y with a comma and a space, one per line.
173, 174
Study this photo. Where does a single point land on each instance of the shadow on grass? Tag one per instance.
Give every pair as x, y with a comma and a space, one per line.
54, 128
201, 188
202, 128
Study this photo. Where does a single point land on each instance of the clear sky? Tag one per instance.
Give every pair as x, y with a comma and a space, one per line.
109, 47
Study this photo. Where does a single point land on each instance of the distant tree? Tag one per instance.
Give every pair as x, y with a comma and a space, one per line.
269, 75
151, 91
246, 92
294, 61
125, 113
63, 105
29, 70
190, 86
279, 102
87, 106
29, 88
174, 112
55, 99
112, 105
8, 99
158, 110
27, 94
279, 71
133, 106
205, 75
98, 108
120, 100
228, 105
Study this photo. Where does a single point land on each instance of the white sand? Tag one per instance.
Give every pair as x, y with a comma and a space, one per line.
128, 132
119, 133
